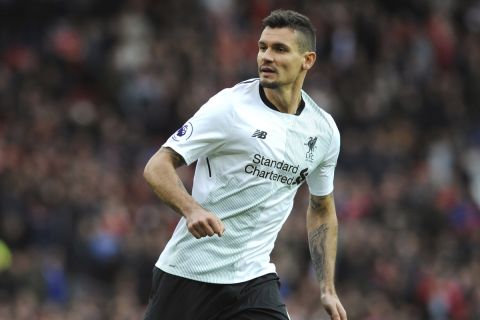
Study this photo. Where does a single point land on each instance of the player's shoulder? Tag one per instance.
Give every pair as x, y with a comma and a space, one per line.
248, 82
225, 101
320, 114
246, 87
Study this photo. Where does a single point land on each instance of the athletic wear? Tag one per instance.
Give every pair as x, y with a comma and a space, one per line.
251, 161
257, 299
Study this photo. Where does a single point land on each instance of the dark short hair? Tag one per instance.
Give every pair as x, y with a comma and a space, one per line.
296, 21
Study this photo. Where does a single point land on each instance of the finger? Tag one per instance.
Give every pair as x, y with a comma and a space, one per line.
217, 226
199, 230
195, 230
206, 228
334, 314
342, 312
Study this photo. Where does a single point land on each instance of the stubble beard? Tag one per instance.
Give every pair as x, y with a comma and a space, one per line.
269, 85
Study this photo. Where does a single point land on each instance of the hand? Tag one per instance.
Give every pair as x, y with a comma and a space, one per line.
202, 223
333, 306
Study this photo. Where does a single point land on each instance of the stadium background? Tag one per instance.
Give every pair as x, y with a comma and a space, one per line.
90, 89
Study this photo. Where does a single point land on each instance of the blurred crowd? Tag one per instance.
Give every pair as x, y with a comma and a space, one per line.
89, 90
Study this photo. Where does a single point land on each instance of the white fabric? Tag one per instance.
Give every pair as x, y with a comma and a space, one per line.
251, 161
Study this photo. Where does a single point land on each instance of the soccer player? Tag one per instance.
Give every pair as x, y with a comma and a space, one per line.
254, 144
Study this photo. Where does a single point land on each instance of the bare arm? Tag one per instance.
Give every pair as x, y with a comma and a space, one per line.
160, 173
322, 227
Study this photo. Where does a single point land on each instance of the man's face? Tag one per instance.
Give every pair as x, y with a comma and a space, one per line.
279, 58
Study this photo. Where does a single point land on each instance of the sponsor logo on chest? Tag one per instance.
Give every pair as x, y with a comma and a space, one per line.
265, 167
274, 170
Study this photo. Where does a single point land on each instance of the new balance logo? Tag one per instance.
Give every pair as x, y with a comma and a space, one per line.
259, 134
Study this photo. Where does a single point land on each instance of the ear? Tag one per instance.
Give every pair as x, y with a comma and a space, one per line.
309, 60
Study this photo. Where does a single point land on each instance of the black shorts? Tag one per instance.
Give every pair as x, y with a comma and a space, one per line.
177, 298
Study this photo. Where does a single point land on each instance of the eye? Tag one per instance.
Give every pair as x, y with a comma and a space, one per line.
281, 49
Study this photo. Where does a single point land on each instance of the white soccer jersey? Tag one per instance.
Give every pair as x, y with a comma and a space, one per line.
251, 161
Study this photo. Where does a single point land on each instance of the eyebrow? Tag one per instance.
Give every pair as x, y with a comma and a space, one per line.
273, 44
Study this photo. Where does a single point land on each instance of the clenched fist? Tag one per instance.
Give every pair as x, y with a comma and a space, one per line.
202, 223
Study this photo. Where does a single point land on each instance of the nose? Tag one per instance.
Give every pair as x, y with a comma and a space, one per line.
266, 55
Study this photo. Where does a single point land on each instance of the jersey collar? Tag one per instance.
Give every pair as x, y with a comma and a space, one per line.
267, 102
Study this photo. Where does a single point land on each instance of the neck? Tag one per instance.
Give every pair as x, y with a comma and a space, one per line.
285, 100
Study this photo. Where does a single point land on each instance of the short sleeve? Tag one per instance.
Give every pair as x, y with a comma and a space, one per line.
320, 180
204, 132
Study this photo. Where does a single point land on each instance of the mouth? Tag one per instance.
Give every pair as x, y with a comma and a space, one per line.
267, 70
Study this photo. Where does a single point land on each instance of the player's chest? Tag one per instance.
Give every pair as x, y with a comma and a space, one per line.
290, 139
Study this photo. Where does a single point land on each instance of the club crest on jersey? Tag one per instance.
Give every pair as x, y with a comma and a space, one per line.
184, 132
312, 141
